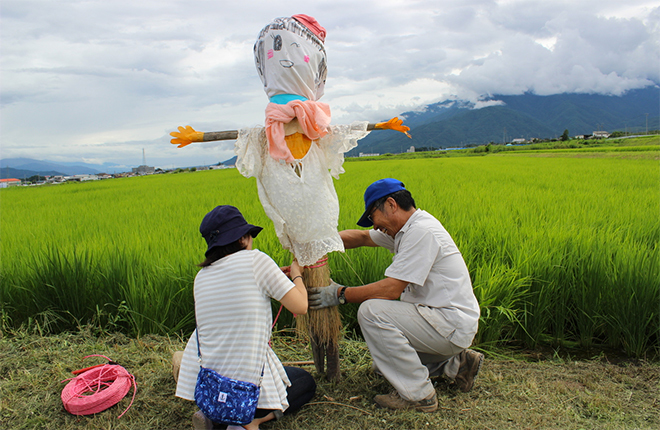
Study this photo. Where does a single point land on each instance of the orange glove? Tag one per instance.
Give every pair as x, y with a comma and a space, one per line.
394, 124
186, 136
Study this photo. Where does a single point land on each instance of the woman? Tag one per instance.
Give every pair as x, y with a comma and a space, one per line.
233, 313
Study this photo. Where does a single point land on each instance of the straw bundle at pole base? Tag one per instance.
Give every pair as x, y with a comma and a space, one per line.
322, 325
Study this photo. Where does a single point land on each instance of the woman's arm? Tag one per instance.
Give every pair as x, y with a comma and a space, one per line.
296, 299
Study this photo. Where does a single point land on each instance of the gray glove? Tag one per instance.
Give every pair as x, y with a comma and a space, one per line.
323, 297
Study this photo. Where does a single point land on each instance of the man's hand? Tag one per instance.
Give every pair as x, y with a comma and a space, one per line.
394, 124
185, 136
323, 297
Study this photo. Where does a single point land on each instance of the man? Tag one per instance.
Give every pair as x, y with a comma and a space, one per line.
427, 332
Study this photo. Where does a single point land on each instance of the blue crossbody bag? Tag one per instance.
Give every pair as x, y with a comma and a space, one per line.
224, 400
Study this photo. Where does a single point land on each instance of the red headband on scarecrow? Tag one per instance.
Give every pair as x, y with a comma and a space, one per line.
312, 24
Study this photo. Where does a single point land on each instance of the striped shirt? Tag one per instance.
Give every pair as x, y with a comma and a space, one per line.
234, 318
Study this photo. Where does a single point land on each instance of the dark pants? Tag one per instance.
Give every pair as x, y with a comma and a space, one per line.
301, 391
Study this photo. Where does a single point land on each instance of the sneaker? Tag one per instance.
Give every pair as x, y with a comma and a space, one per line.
469, 369
395, 401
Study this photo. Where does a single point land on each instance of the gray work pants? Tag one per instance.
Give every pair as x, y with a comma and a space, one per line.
404, 347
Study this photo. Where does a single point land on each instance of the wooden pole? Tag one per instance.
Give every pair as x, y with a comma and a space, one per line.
210, 136
220, 135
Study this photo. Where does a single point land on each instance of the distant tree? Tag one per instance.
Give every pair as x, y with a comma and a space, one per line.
564, 137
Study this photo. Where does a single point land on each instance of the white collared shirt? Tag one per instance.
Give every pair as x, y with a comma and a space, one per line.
439, 283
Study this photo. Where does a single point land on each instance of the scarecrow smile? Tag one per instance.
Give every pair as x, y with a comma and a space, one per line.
286, 63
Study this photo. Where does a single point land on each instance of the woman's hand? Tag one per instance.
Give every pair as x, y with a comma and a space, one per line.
295, 269
296, 299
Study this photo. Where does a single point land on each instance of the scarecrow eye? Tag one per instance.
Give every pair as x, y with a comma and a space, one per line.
297, 45
277, 43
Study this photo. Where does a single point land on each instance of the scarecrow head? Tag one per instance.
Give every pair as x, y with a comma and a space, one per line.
291, 59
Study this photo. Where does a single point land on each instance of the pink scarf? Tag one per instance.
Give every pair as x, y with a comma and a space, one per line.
314, 119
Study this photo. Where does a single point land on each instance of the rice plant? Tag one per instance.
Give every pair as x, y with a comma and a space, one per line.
560, 250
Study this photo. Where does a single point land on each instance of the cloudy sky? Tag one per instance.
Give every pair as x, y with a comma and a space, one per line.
100, 80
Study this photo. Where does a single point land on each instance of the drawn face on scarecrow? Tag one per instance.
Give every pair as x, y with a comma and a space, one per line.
290, 59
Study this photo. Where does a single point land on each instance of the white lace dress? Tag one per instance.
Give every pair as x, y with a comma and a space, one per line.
300, 198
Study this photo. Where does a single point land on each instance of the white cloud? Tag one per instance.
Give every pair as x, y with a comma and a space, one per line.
101, 80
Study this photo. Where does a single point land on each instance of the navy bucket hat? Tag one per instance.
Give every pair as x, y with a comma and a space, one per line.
224, 225
374, 192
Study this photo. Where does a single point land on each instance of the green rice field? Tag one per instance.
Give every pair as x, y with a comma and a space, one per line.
563, 251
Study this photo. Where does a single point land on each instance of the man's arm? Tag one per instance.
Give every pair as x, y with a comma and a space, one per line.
356, 238
386, 289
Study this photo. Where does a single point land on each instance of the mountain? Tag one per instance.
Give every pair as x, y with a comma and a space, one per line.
230, 162
458, 123
8, 172
43, 167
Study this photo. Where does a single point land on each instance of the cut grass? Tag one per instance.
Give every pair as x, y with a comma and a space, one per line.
511, 393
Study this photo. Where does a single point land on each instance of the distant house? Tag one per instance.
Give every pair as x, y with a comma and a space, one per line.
83, 178
601, 135
369, 154
411, 149
144, 170
9, 182
518, 141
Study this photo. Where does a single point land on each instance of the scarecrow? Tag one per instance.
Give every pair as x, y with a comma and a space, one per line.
294, 158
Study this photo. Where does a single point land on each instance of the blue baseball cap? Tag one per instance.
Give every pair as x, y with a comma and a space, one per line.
375, 191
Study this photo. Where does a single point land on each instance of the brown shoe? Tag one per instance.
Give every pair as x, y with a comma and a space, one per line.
200, 422
469, 369
395, 401
176, 364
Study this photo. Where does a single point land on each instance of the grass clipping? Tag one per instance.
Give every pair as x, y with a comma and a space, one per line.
322, 325
511, 393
